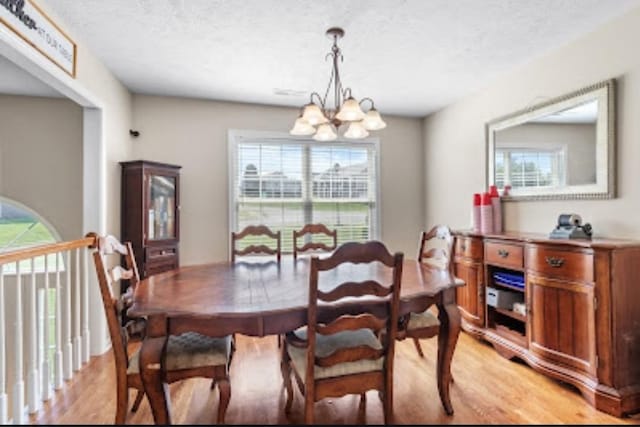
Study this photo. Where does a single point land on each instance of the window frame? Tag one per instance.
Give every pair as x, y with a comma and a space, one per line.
236, 137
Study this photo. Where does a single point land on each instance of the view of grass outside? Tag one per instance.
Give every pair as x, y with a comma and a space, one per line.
21, 232
350, 219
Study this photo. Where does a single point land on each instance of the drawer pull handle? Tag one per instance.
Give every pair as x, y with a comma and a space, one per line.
554, 262
503, 253
463, 247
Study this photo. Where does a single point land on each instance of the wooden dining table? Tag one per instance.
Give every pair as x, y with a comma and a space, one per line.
260, 298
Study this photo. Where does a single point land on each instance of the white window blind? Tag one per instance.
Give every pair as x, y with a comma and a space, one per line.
285, 183
530, 168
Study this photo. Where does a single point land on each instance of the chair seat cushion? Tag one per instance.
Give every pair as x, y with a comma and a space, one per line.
328, 344
190, 350
422, 320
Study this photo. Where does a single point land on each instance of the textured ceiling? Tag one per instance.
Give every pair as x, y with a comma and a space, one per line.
411, 56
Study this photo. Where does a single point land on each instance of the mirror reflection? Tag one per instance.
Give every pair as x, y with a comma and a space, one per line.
563, 149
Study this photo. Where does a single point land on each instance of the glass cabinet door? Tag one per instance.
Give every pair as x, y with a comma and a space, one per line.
162, 207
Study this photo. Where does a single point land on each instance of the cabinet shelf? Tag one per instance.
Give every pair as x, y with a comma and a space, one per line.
510, 313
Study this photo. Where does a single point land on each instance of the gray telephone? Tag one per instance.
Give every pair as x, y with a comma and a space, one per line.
570, 227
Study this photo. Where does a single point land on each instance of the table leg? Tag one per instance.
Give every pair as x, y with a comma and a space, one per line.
449, 316
155, 387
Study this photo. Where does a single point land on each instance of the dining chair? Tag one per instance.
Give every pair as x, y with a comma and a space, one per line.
339, 352
312, 230
258, 237
186, 355
436, 251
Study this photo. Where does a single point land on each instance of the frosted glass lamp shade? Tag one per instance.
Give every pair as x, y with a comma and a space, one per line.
350, 111
325, 132
356, 131
313, 115
302, 127
373, 121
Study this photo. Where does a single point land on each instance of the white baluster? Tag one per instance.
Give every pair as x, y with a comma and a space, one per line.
77, 340
4, 415
85, 306
57, 355
46, 371
67, 353
18, 387
33, 378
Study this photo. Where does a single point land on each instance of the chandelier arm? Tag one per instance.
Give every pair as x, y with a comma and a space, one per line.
368, 99
320, 101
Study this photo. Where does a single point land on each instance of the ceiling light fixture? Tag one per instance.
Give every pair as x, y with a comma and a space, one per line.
317, 119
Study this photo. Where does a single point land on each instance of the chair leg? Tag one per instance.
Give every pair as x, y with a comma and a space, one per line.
308, 407
225, 395
122, 405
387, 404
416, 342
136, 403
285, 368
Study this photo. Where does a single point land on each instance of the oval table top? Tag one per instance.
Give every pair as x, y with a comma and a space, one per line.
266, 287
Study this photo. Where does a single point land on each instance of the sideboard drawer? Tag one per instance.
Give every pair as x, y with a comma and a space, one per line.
468, 247
503, 254
576, 265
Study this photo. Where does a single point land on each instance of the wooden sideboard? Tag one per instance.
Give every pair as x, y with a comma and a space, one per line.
580, 309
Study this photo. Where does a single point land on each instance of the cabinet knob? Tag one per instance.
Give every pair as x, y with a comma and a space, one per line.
503, 253
554, 262
463, 247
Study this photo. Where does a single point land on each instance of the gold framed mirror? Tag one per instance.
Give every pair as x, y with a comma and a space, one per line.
561, 149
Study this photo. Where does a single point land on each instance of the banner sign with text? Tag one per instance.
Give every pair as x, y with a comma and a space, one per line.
25, 19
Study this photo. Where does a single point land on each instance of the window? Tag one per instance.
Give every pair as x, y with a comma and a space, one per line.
530, 168
285, 183
20, 228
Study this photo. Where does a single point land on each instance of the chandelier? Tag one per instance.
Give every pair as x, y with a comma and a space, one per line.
318, 119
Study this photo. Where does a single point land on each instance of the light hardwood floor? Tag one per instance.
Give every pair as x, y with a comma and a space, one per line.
487, 390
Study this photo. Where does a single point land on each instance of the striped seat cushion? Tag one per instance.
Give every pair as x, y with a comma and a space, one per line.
422, 320
190, 350
327, 344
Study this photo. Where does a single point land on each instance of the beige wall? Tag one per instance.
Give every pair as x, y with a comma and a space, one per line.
193, 133
114, 100
106, 142
41, 159
454, 138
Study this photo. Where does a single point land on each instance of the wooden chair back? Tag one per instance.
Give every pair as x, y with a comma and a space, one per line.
436, 248
255, 231
314, 229
115, 305
382, 322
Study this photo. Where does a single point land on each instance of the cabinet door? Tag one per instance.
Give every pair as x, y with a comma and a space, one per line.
161, 206
470, 298
562, 322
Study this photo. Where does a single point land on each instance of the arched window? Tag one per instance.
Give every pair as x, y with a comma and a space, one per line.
21, 227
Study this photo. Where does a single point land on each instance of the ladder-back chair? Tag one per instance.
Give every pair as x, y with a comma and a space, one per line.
436, 251
186, 355
256, 231
340, 352
311, 230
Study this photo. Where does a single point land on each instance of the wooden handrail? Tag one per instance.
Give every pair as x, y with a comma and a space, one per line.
52, 248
